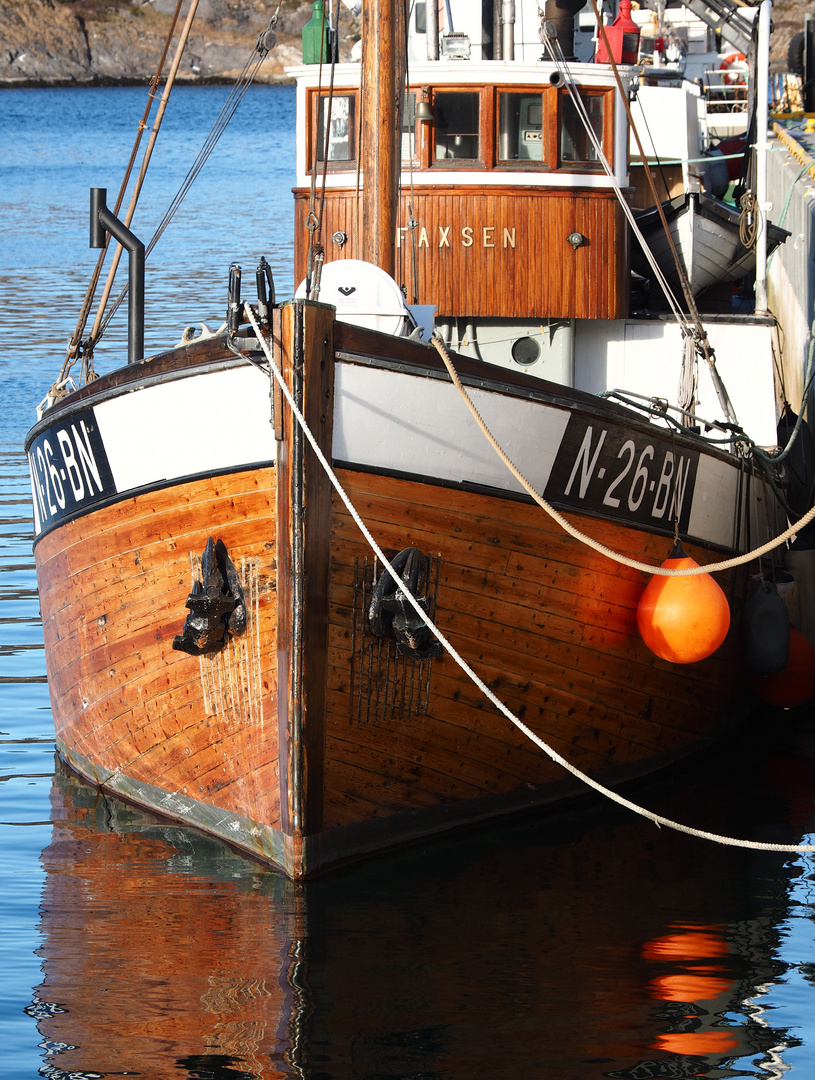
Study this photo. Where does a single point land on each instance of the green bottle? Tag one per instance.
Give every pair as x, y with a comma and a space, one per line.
315, 37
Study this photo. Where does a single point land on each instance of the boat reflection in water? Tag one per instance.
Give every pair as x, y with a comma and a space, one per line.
585, 945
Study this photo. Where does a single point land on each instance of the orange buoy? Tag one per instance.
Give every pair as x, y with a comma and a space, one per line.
683, 619
794, 685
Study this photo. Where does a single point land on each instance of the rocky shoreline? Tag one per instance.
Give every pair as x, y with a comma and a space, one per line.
118, 42
98, 42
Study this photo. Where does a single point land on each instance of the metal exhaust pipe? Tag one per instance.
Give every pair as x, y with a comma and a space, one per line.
103, 220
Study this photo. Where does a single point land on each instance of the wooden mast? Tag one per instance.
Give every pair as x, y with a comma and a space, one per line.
383, 31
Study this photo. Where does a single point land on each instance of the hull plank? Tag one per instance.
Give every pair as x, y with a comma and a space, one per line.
124, 700
508, 612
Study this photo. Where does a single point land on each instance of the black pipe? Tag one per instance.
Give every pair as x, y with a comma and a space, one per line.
561, 13
487, 29
266, 291
102, 220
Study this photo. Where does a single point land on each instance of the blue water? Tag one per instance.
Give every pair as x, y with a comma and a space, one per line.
577, 945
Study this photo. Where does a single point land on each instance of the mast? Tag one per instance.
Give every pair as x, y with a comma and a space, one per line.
383, 80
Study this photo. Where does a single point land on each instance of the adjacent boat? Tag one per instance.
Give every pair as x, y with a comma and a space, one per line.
707, 233
223, 645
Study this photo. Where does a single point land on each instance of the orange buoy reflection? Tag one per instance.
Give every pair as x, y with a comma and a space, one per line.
697, 1042
695, 981
689, 944
689, 987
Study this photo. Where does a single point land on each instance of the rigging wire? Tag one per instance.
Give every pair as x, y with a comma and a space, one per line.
228, 109
74, 343
698, 332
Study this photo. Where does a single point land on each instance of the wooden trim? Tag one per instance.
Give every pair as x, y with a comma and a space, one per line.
303, 513
487, 134
501, 252
484, 133
313, 98
608, 130
200, 355
549, 104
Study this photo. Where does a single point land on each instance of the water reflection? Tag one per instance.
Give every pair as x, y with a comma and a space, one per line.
159, 957
579, 946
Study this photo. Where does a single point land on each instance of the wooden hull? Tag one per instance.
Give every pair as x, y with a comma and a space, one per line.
309, 740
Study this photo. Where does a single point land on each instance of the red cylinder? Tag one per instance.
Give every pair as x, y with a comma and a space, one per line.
794, 685
623, 39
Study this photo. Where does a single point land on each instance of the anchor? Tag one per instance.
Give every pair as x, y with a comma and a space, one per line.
391, 614
217, 604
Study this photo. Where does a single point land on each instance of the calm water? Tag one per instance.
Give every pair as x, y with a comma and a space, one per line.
573, 946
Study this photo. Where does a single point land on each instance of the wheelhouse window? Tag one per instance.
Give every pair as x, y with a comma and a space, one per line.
341, 145
456, 126
576, 147
521, 126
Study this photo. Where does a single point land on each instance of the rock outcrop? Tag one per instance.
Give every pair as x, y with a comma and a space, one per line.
70, 42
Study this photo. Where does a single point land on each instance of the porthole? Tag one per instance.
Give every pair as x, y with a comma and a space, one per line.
525, 351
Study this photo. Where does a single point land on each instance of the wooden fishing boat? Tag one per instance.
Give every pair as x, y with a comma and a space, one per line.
223, 646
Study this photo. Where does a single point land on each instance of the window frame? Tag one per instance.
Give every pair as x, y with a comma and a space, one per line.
484, 160
549, 129
488, 134
606, 140
315, 96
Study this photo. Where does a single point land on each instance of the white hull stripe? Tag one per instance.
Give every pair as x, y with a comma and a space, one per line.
391, 422
149, 437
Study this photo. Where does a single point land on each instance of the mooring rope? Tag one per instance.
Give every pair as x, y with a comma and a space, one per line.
657, 819
634, 564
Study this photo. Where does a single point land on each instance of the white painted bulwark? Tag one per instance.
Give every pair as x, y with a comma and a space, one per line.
149, 436
188, 427
421, 427
415, 427
715, 505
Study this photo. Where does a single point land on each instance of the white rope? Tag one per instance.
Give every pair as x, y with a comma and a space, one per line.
634, 564
658, 819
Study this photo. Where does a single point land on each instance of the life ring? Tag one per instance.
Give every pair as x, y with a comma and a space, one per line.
734, 66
